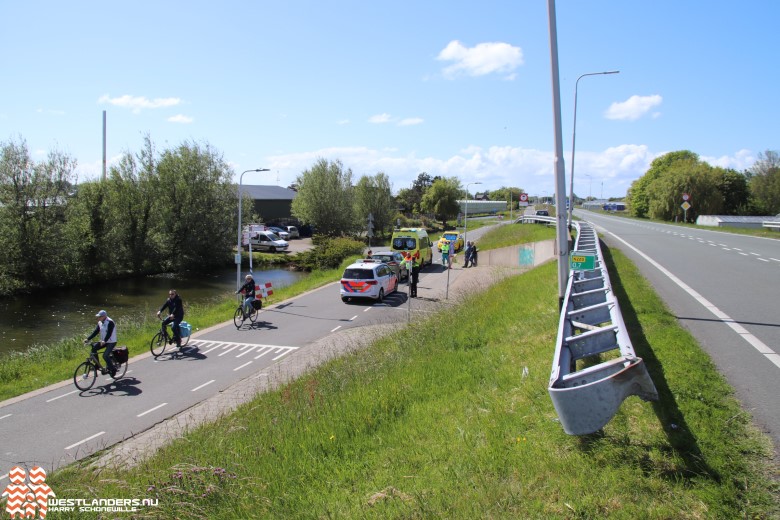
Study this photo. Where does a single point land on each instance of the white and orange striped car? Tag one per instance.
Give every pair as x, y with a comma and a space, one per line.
368, 279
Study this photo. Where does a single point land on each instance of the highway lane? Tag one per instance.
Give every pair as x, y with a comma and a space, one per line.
59, 424
723, 288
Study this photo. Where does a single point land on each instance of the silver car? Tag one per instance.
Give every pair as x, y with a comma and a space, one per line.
396, 262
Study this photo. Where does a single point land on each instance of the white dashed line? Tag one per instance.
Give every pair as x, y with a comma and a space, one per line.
58, 397
337, 328
151, 410
353, 318
242, 366
201, 386
367, 309
764, 260
6, 415
84, 440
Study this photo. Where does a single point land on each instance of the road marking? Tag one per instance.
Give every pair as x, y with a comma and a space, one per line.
726, 249
763, 259
743, 254
754, 254
242, 366
756, 343
151, 410
247, 351
775, 259
228, 350
353, 318
58, 397
263, 353
367, 309
84, 440
201, 386
3, 476
284, 353
337, 328
6, 415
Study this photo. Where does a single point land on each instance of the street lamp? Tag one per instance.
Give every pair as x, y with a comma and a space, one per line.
238, 243
574, 136
466, 217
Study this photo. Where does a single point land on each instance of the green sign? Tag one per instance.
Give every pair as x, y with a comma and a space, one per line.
582, 261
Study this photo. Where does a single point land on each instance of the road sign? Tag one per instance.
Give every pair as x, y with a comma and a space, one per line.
523, 199
582, 261
686, 197
685, 206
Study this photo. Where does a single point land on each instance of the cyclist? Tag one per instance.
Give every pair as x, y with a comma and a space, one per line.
249, 294
175, 314
106, 328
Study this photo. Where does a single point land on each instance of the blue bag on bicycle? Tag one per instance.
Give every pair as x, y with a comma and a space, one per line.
185, 329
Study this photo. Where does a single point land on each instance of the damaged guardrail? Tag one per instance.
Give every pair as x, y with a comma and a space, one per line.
591, 331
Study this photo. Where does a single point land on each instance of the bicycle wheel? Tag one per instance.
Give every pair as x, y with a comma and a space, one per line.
85, 375
158, 344
185, 340
238, 317
121, 370
253, 315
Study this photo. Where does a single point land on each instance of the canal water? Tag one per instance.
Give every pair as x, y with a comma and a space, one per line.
47, 317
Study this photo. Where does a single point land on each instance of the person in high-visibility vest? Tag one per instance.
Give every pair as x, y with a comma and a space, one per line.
445, 254
415, 274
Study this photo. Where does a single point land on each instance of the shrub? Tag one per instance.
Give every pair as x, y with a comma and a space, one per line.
328, 254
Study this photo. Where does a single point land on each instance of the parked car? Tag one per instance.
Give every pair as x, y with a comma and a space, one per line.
267, 241
396, 262
372, 280
451, 237
542, 212
281, 233
293, 231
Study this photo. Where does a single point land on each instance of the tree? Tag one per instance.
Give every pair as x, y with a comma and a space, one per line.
441, 199
373, 195
764, 182
507, 193
324, 198
696, 178
638, 195
194, 211
409, 198
736, 192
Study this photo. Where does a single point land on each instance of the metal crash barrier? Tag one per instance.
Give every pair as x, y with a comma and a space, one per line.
587, 394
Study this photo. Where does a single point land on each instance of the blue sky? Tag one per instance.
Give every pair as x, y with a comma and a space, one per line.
455, 88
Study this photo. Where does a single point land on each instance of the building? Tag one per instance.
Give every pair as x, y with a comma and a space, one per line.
272, 203
481, 207
734, 221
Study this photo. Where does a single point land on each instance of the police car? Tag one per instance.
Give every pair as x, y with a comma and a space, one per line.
368, 279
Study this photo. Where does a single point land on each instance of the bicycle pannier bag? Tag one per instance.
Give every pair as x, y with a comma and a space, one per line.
120, 354
257, 304
185, 329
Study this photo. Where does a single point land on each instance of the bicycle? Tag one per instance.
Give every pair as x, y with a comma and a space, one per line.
86, 373
239, 316
162, 339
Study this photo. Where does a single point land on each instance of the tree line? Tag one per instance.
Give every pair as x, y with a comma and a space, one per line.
173, 210
712, 190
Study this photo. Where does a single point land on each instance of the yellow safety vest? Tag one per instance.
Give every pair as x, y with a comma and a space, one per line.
445, 248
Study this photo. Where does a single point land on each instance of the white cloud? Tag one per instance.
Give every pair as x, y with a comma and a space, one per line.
343, 122
633, 108
379, 118
136, 103
180, 118
741, 161
409, 121
483, 59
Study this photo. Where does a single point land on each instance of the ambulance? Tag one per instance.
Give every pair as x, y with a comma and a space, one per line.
413, 240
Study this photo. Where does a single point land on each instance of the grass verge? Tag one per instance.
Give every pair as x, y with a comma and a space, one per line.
428, 425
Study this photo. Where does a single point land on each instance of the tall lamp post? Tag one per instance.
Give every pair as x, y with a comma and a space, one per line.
238, 243
574, 136
466, 217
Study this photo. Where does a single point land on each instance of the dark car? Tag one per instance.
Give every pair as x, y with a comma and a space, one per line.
395, 261
542, 212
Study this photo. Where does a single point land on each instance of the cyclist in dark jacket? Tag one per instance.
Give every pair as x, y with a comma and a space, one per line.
249, 294
175, 314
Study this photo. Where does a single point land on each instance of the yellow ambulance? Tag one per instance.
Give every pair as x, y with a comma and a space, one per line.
413, 240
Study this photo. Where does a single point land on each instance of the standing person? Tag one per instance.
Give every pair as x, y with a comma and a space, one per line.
175, 314
453, 252
445, 253
467, 255
415, 276
473, 254
107, 330
249, 294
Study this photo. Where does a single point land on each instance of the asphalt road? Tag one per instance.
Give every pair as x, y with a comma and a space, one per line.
723, 288
59, 424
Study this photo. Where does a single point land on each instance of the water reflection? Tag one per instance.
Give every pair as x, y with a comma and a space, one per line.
49, 316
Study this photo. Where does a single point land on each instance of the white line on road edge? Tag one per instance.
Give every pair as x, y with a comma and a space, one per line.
151, 410
58, 397
6, 415
337, 328
85, 440
201, 386
756, 343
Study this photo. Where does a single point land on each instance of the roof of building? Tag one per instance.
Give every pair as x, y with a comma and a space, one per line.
736, 218
268, 192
